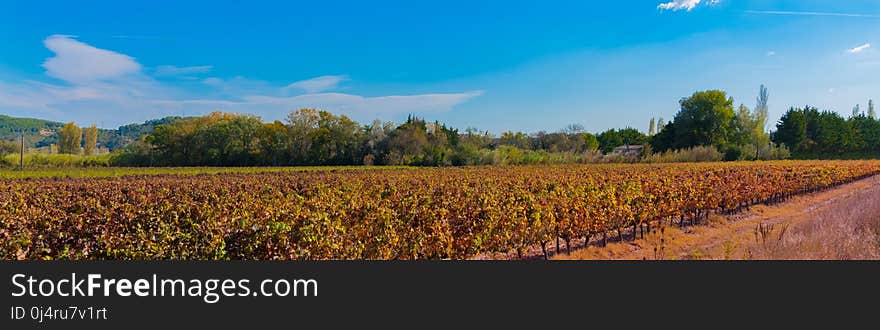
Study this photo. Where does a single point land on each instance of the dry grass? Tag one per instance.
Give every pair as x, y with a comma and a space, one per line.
847, 231
839, 224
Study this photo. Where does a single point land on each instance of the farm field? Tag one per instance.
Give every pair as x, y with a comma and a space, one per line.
398, 213
115, 172
842, 223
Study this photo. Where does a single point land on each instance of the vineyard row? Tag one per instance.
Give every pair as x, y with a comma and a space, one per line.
448, 213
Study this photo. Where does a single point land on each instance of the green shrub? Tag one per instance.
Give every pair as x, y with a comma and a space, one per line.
8, 147
732, 153
57, 160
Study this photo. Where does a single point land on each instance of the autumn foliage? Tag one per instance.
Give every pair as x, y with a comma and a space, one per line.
425, 213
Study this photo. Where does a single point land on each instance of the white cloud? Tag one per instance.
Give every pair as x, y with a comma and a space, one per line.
77, 62
859, 49
171, 70
349, 104
109, 88
688, 5
317, 84
771, 53
238, 86
380, 104
22, 95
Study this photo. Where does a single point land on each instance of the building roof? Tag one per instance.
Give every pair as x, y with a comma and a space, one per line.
624, 149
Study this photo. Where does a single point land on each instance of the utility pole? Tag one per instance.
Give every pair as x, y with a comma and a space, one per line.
21, 151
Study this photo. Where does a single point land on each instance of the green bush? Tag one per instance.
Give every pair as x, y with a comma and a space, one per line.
57, 160
8, 147
732, 153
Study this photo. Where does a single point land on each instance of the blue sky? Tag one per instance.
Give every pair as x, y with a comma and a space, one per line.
492, 65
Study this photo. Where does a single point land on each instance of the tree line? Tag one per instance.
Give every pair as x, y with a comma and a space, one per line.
811, 133
706, 127
315, 137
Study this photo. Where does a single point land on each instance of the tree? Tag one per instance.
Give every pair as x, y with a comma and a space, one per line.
810, 133
705, 119
69, 139
272, 139
612, 138
744, 125
175, 143
651, 128
218, 139
573, 129
322, 138
608, 140
407, 144
664, 139
376, 140
569, 140
472, 144
301, 124
90, 143
632, 136
441, 141
792, 129
749, 126
865, 134
762, 108
591, 143
336, 141
759, 117
833, 134
516, 139
241, 132
820, 134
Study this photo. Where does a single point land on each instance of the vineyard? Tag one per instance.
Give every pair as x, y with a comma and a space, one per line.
114, 172
406, 213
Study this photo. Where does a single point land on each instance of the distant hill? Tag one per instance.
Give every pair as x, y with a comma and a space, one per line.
35, 130
41, 133
9, 126
122, 136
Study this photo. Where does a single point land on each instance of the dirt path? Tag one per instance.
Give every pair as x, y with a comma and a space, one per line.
814, 226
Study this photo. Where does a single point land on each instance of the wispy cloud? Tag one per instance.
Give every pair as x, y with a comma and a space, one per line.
859, 49
171, 70
808, 13
101, 85
771, 53
688, 5
381, 104
336, 102
317, 84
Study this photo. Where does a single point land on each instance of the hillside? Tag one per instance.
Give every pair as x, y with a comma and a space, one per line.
35, 130
41, 133
122, 136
